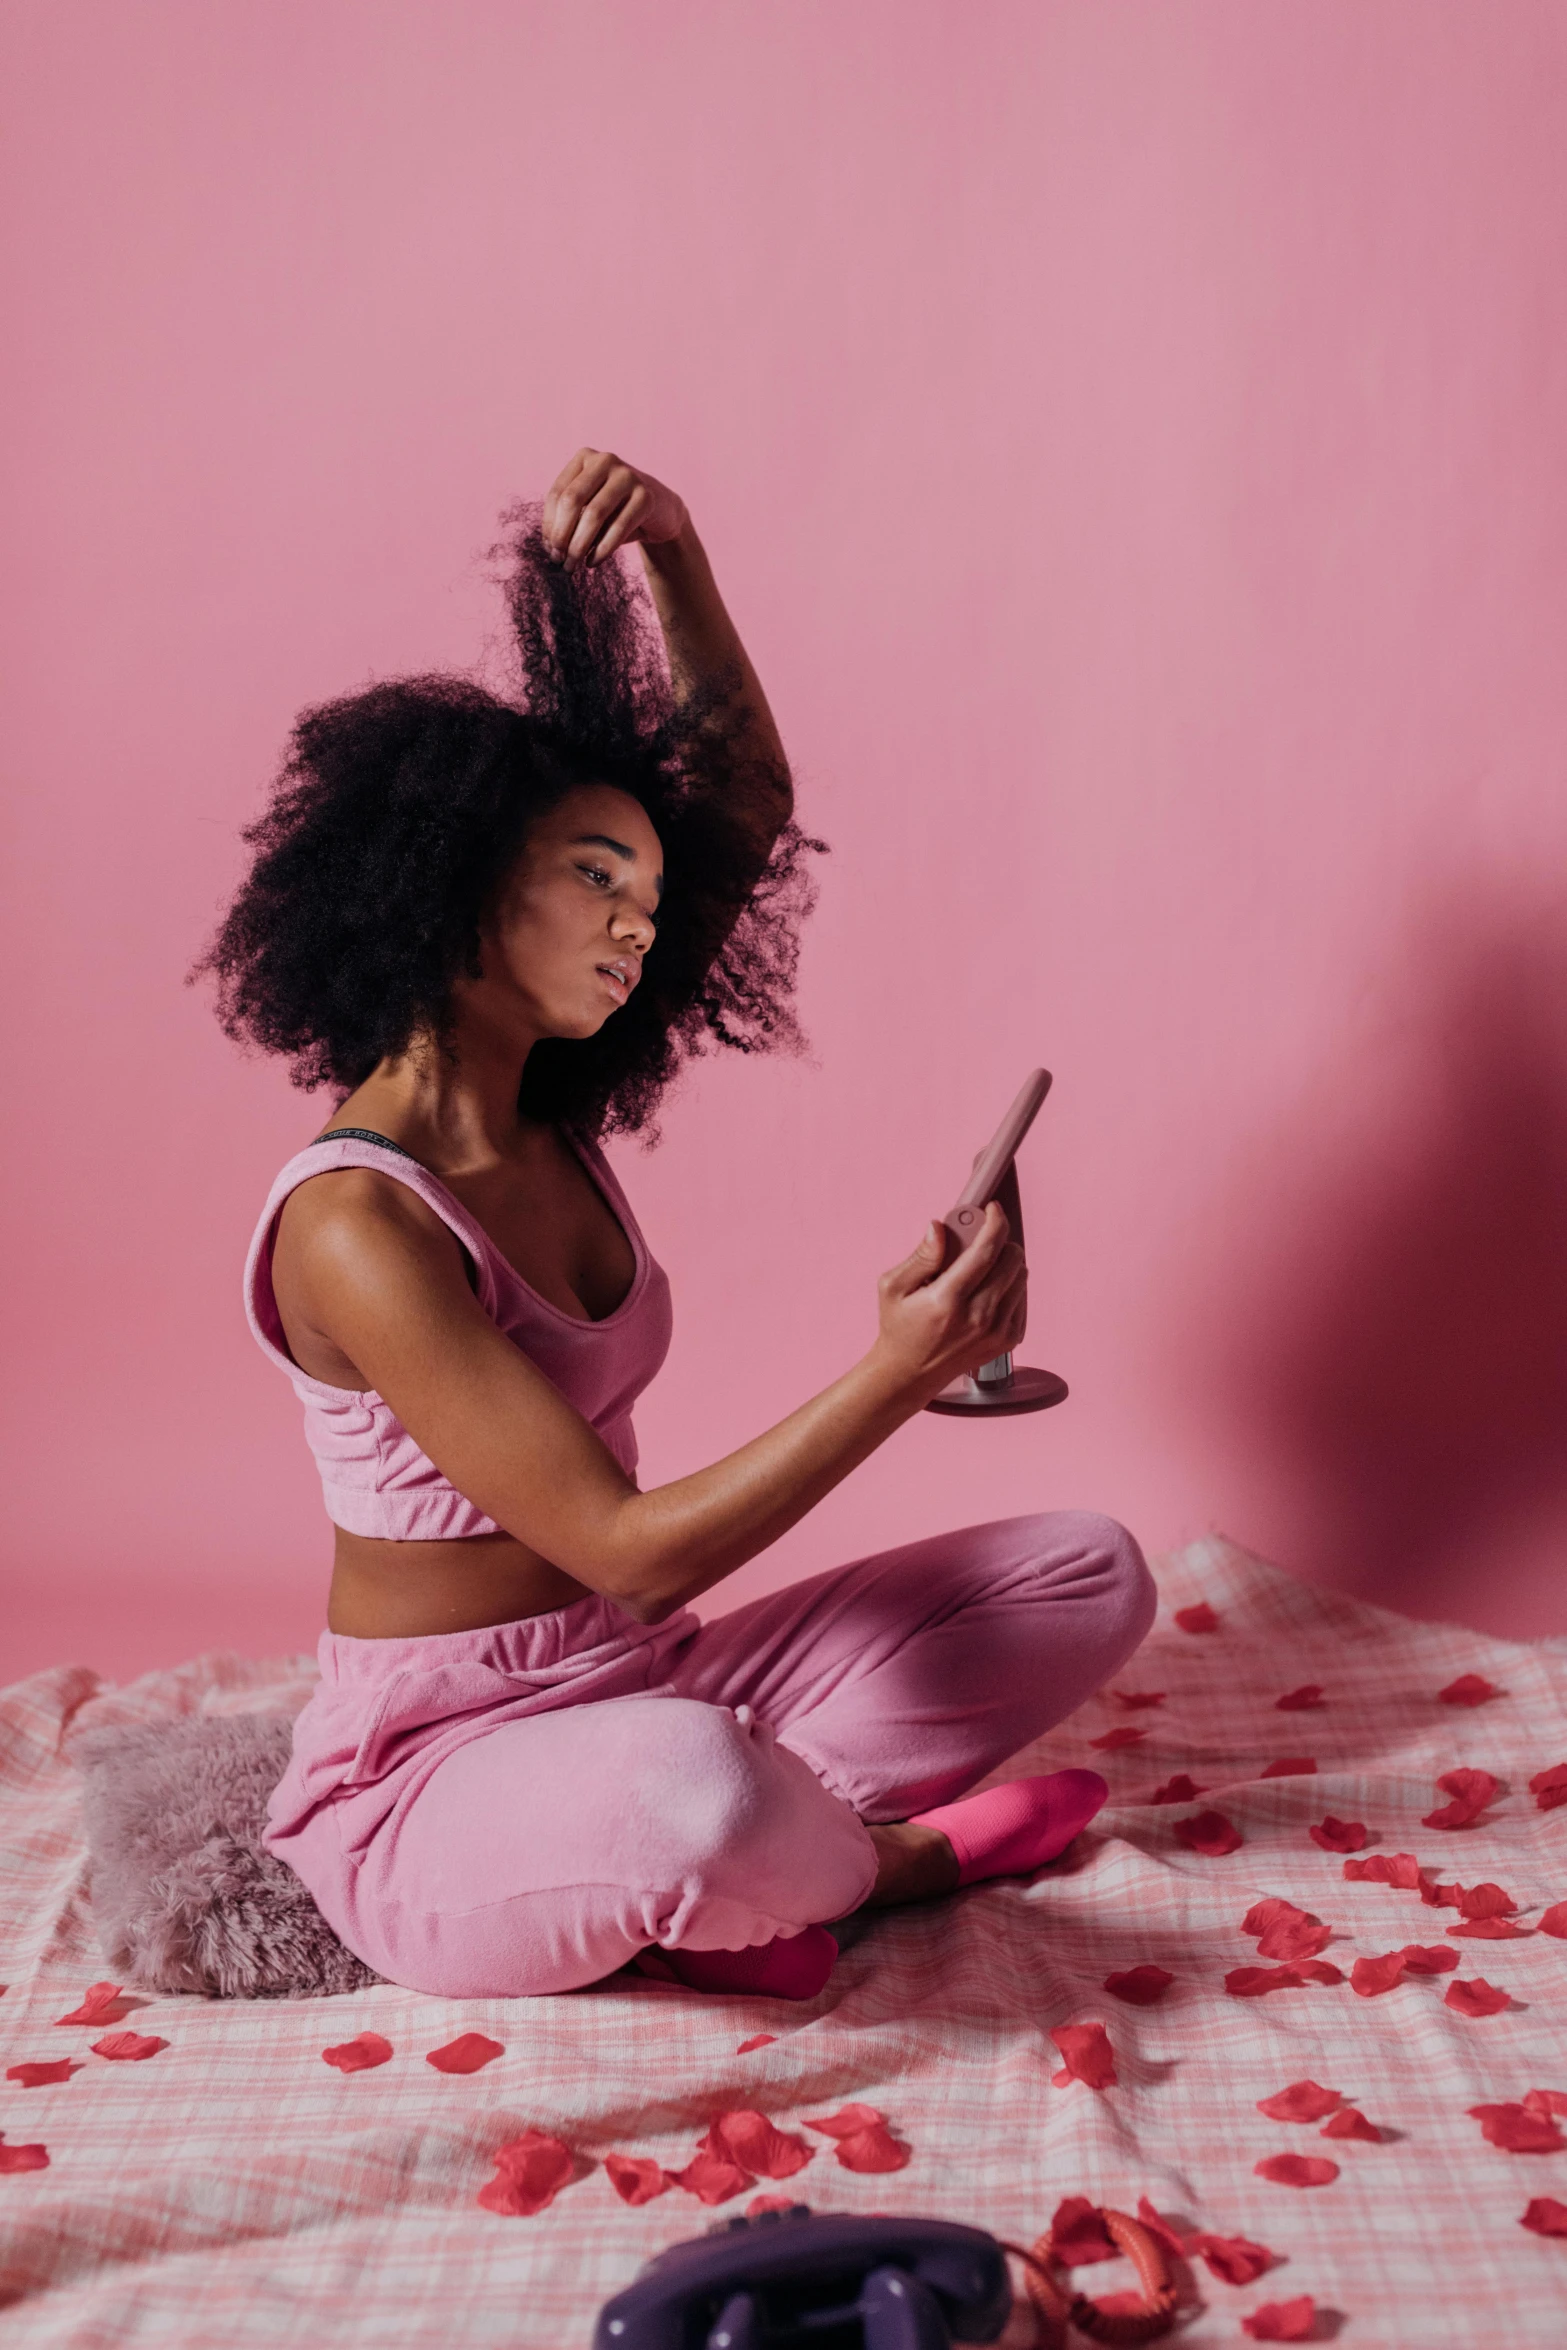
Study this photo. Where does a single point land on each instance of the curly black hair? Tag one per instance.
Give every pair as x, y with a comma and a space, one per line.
399, 810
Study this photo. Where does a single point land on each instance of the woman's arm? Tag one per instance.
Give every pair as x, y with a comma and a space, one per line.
378, 1273
599, 503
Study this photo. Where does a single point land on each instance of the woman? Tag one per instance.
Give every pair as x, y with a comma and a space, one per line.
495, 926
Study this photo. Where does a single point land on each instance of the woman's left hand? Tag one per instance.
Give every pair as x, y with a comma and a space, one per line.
598, 503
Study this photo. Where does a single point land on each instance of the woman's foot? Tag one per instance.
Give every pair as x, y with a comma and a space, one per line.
791, 1966
1012, 1830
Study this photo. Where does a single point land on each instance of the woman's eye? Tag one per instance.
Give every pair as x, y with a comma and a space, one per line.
595, 872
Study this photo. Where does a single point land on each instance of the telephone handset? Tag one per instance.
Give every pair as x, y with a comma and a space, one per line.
999, 1386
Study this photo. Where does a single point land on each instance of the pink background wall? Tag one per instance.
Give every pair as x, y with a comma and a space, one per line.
1131, 439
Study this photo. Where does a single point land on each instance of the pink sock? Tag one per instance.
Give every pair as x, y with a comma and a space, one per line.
791, 1966
1010, 1831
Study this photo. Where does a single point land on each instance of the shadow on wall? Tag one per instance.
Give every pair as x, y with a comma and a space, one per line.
1396, 1365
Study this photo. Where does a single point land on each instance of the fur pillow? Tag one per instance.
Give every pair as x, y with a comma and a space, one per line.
185, 1896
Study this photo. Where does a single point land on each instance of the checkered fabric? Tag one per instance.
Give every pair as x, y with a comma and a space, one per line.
235, 2189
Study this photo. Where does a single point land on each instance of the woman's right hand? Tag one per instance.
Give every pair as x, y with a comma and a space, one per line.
938, 1325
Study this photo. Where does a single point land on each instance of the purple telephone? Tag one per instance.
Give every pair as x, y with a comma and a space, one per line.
999, 1385
827, 2281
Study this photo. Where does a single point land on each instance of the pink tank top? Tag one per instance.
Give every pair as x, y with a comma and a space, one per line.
373, 1475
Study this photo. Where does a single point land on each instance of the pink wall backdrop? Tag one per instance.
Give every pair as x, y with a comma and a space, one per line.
1131, 439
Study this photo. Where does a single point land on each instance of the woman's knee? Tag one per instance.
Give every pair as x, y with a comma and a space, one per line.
1095, 1560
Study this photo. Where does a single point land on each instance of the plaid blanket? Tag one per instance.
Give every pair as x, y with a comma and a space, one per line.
229, 2186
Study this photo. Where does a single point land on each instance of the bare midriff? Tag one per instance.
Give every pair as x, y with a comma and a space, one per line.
409, 1590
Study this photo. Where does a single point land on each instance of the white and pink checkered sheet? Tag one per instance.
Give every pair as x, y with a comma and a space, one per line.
235, 2189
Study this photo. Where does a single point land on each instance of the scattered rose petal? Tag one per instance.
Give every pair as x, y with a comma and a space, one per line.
1283, 2321
1200, 1618
1428, 1958
760, 2203
42, 2076
751, 2140
1372, 1976
1086, 2055
1485, 1901
1554, 1921
1292, 1938
102, 2003
1350, 2122
1133, 1698
1250, 1982
529, 2173
128, 2047
1180, 1789
1290, 1766
1123, 2304
1544, 2215
1234, 2260
1113, 1740
20, 2158
1139, 1986
467, 2054
1488, 1930
1262, 1913
1163, 2231
1338, 1835
757, 2040
634, 2179
1546, 2101
847, 2122
1304, 1700
1516, 2130
359, 2055
1549, 1788
711, 2177
1302, 2101
1474, 1996
1078, 2235
874, 2151
1469, 1689
1438, 1896
1471, 1791
1400, 1869
1297, 2170
1209, 1833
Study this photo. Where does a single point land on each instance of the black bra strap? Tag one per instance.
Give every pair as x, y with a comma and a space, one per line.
365, 1134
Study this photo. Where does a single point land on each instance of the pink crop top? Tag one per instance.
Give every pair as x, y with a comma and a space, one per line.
374, 1477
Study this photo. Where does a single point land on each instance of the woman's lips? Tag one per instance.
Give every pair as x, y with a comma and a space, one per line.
617, 986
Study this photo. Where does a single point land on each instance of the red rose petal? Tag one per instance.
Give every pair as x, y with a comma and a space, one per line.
1439, 1896
1235, 2260
1251, 1982
1180, 1789
1304, 1700
1200, 1618
467, 2054
760, 2203
874, 2151
1209, 1833
1488, 1930
1352, 2123
128, 2047
1297, 2170
1262, 1914
102, 2003
1474, 1996
634, 2179
20, 2158
1469, 1689
711, 2177
1292, 1766
529, 2173
1113, 1740
1162, 2230
1554, 1921
1546, 2101
1544, 2215
1400, 1869
1086, 2054
757, 2040
42, 2076
1283, 2321
1140, 1986
1549, 1788
1516, 2130
848, 2122
1078, 2235
1302, 2101
1471, 1791
1317, 1970
1372, 1976
1133, 1698
1428, 1958
1292, 1938
1338, 1835
751, 2140
1486, 1901
359, 2055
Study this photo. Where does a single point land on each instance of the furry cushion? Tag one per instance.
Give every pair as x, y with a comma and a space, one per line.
184, 1894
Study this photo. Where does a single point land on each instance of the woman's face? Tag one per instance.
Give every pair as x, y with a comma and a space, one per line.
563, 948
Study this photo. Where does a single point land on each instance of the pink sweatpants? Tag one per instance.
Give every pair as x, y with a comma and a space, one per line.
522, 1809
